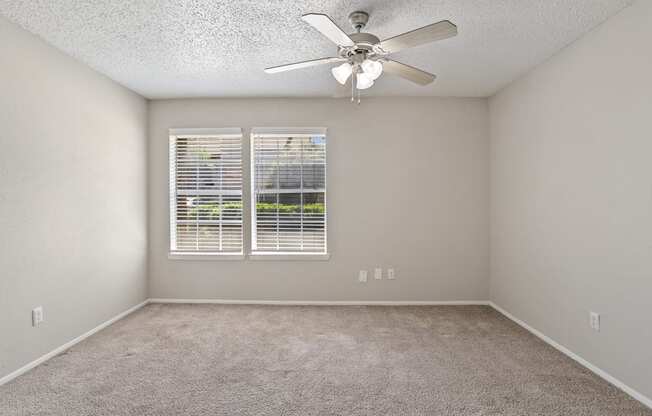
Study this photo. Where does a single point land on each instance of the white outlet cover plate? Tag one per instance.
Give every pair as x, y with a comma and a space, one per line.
595, 321
378, 273
37, 315
390, 274
362, 277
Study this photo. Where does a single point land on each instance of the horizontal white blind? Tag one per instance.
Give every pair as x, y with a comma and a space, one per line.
289, 192
206, 191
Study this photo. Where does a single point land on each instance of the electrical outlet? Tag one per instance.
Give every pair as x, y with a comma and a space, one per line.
37, 316
391, 275
594, 321
378, 273
362, 276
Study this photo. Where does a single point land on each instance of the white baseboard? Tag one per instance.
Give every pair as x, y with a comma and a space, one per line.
68, 344
601, 373
606, 376
323, 302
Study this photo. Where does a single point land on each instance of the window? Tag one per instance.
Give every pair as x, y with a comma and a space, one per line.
288, 177
206, 191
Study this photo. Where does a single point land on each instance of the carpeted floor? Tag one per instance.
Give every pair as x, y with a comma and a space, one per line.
296, 360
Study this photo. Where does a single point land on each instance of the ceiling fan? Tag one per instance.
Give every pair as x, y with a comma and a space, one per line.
364, 56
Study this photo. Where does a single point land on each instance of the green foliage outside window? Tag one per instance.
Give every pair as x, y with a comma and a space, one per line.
212, 211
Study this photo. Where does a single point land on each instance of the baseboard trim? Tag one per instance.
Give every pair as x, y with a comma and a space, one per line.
595, 369
323, 302
601, 373
67, 345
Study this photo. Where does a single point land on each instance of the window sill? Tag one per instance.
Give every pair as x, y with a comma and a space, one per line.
289, 256
205, 256
264, 256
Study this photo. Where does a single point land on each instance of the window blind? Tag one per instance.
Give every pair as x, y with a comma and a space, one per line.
206, 191
288, 190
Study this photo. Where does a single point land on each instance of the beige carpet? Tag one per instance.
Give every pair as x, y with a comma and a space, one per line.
276, 360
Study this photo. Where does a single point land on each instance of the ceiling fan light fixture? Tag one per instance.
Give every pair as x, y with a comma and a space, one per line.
364, 81
372, 68
342, 72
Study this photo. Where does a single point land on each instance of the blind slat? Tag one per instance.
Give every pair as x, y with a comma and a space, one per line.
289, 192
206, 192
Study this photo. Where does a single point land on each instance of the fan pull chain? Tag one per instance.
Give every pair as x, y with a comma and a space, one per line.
353, 86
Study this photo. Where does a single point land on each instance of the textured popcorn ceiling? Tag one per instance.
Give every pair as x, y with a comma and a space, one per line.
202, 48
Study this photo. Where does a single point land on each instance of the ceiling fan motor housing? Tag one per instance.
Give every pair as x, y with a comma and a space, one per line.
364, 42
364, 45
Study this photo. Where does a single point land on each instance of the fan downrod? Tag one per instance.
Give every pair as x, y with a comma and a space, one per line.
358, 20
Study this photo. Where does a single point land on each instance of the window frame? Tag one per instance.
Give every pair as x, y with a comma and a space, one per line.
173, 135
276, 132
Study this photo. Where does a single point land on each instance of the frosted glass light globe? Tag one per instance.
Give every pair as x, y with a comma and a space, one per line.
364, 81
342, 72
372, 68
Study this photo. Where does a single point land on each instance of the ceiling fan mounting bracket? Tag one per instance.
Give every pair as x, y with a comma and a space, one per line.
358, 20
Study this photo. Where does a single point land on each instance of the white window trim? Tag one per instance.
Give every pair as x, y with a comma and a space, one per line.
253, 256
183, 255
296, 132
277, 255
200, 132
197, 132
289, 131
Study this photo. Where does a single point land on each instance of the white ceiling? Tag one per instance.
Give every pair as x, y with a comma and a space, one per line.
206, 48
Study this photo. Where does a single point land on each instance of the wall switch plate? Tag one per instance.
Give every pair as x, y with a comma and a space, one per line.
378, 273
37, 316
362, 277
390, 274
594, 321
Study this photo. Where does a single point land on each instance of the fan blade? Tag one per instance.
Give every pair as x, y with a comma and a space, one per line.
304, 64
408, 72
431, 33
328, 28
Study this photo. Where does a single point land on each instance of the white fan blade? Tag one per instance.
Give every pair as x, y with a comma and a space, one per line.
408, 72
431, 33
304, 64
328, 28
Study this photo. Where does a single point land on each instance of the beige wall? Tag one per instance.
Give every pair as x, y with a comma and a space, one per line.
408, 178
571, 193
72, 197
407, 187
